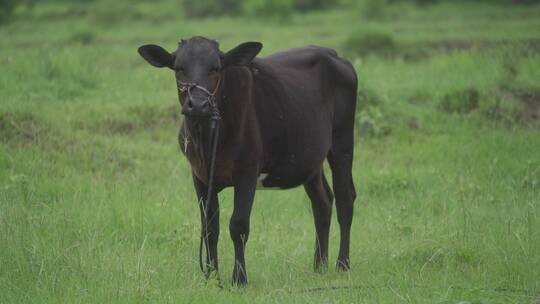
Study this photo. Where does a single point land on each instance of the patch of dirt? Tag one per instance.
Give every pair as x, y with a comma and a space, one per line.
450, 45
462, 101
536, 299
22, 128
386, 46
531, 107
508, 105
413, 123
530, 103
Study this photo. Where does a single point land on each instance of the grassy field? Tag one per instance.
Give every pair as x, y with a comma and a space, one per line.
97, 204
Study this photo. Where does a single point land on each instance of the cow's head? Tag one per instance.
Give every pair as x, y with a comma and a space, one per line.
198, 65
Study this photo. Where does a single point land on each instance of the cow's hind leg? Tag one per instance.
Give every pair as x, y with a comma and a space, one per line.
321, 202
340, 159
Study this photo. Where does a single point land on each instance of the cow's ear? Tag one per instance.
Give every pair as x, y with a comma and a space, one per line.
157, 56
242, 54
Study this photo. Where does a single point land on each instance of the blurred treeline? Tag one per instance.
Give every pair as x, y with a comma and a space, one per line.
207, 8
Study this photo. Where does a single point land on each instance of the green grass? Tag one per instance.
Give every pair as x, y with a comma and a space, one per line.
97, 204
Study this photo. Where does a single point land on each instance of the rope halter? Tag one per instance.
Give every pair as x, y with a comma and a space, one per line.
189, 86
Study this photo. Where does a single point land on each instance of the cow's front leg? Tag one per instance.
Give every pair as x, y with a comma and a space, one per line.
245, 183
213, 224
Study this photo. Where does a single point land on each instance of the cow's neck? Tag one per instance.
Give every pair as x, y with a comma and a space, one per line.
197, 131
236, 123
197, 138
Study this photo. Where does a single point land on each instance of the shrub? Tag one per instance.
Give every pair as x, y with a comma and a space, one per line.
525, 1
426, 2
279, 8
420, 97
204, 8
370, 120
373, 9
304, 5
371, 123
83, 37
275, 8
463, 101
367, 98
6, 9
114, 12
500, 107
366, 43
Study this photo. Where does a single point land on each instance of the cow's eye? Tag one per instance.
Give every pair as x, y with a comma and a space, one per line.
180, 70
214, 70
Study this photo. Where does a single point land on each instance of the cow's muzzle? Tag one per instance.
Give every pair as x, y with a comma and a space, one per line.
199, 108
198, 103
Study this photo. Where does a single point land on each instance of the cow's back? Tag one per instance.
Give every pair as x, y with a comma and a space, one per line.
313, 77
299, 103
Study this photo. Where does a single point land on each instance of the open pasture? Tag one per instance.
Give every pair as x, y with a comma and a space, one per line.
97, 203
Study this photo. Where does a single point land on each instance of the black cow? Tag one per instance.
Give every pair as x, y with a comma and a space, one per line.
281, 116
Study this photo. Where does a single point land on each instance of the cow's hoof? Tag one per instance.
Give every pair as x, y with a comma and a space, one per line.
343, 265
213, 278
320, 267
240, 283
239, 280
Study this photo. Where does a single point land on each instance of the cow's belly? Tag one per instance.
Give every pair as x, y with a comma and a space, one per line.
299, 161
260, 181
282, 178
292, 171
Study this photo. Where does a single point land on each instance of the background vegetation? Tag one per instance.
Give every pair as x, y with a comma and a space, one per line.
96, 202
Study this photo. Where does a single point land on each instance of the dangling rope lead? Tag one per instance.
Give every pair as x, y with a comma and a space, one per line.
214, 134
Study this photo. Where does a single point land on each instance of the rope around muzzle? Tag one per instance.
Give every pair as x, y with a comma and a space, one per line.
215, 117
210, 96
